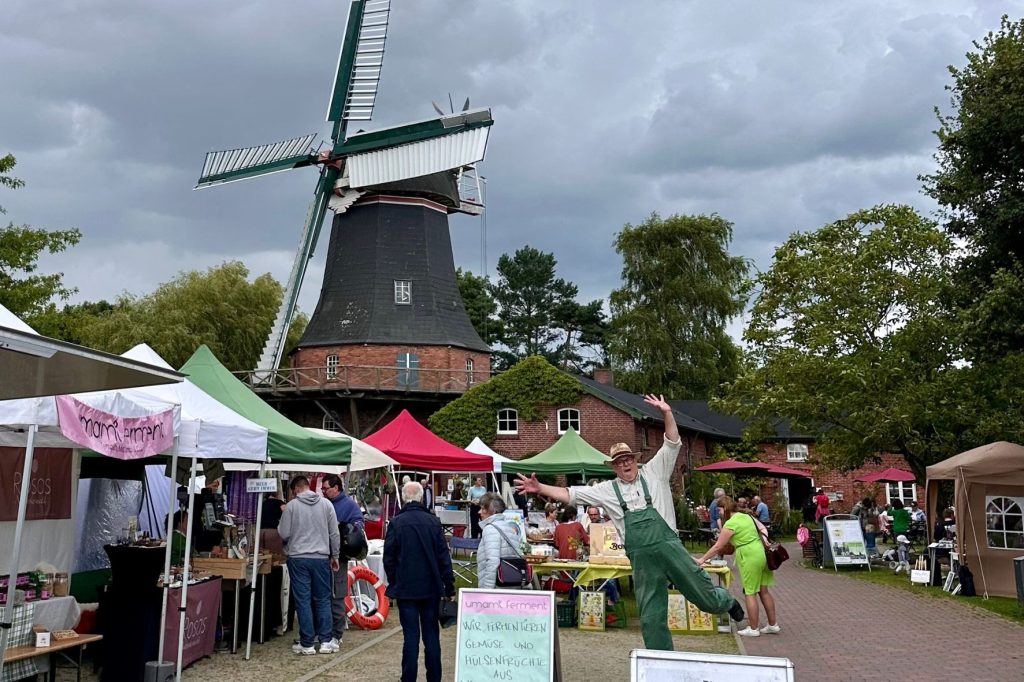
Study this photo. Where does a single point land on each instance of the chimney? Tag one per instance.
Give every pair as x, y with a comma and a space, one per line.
604, 376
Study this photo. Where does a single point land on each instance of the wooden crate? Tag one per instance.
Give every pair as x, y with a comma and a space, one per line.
230, 569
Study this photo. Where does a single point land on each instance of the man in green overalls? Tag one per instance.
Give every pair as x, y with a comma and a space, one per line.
639, 503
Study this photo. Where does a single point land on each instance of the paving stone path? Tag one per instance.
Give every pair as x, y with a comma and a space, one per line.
837, 629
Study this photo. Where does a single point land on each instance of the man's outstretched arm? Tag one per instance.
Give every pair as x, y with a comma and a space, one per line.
532, 485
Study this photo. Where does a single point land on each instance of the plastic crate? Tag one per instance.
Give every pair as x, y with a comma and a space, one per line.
615, 614
565, 611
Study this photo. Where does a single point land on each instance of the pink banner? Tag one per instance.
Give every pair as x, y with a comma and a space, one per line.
505, 603
201, 607
112, 435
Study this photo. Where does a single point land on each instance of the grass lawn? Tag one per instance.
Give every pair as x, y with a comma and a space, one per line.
1003, 606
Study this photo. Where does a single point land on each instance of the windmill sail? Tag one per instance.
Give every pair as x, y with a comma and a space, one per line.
359, 64
236, 164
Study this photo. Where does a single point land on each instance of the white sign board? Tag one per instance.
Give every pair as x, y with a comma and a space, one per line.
845, 541
683, 666
261, 485
505, 635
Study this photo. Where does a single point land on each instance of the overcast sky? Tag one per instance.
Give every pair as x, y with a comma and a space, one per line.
779, 116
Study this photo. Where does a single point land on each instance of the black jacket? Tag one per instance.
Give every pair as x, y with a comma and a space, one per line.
416, 558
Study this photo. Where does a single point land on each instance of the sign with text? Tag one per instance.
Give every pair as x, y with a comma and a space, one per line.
113, 435
683, 666
505, 635
201, 607
845, 541
261, 485
49, 495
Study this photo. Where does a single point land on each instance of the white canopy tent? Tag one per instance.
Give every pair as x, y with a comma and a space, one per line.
478, 447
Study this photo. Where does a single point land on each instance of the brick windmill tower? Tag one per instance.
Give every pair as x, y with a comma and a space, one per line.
390, 330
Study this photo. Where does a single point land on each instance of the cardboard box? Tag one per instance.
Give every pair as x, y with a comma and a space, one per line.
606, 547
42, 639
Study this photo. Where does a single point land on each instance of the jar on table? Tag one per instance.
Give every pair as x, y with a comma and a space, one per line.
46, 586
61, 585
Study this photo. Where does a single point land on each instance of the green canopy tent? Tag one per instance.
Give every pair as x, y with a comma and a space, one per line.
287, 442
569, 455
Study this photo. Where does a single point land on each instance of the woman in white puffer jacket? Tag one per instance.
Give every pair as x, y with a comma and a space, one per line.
492, 545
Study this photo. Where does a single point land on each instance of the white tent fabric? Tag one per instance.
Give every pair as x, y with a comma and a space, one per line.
12, 321
478, 447
364, 456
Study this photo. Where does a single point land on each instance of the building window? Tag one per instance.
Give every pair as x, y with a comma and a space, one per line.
643, 436
403, 291
408, 374
796, 452
508, 422
469, 371
332, 366
568, 418
331, 424
904, 491
1004, 522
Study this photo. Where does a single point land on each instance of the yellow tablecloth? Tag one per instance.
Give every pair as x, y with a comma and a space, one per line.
593, 572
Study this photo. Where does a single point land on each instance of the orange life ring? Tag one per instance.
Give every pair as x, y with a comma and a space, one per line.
374, 620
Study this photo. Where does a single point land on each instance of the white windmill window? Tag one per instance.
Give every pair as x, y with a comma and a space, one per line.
568, 418
796, 452
331, 424
333, 361
1004, 522
403, 291
469, 371
508, 422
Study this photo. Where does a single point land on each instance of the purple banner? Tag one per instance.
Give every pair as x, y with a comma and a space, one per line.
200, 622
112, 435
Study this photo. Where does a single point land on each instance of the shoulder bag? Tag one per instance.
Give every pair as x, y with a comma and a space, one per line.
774, 553
513, 571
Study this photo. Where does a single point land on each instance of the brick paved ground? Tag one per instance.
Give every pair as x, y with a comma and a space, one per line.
840, 629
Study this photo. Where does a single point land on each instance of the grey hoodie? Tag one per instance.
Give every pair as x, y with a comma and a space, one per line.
309, 527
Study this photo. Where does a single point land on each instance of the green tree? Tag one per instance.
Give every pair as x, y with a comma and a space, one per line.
979, 188
22, 290
70, 322
680, 287
480, 305
847, 340
539, 313
219, 307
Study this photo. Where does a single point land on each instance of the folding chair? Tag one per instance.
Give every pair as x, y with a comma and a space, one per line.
466, 570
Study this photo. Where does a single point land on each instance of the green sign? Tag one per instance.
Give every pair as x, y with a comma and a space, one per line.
505, 635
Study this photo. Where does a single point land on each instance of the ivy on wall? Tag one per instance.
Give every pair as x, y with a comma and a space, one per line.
527, 386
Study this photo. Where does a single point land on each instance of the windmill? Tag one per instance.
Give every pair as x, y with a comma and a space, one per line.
356, 165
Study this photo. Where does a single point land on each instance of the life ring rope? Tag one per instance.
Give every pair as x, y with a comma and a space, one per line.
376, 619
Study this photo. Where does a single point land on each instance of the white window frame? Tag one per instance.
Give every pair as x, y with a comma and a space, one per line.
508, 416
403, 292
1009, 508
565, 415
407, 374
333, 362
331, 424
901, 487
793, 449
469, 371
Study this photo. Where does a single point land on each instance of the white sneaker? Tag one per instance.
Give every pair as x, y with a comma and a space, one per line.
303, 650
331, 647
749, 632
770, 629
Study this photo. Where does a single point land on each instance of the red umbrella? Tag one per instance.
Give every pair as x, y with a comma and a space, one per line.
890, 475
777, 471
732, 466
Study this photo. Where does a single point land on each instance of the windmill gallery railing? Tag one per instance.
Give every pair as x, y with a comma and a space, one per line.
347, 378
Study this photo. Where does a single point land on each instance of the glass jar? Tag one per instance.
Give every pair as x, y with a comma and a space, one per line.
61, 585
46, 586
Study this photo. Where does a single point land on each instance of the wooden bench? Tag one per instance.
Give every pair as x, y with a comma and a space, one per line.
19, 653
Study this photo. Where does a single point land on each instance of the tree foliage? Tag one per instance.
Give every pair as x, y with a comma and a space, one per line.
480, 305
22, 290
539, 313
980, 187
219, 307
680, 287
527, 386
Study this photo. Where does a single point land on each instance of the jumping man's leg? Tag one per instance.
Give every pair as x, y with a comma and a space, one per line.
652, 600
692, 581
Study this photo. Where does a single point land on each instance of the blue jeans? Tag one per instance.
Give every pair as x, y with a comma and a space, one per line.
311, 588
419, 618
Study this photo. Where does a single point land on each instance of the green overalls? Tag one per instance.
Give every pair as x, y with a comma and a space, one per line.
658, 557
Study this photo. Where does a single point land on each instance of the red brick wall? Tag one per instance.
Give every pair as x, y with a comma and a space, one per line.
356, 360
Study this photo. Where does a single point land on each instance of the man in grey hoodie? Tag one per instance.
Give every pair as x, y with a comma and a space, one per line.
309, 529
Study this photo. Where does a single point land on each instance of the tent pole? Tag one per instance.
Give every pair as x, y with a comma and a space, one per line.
167, 550
255, 570
185, 571
12, 581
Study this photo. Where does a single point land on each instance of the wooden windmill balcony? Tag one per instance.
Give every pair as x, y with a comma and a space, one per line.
362, 378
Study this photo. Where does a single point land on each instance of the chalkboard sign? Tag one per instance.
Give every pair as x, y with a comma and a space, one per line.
505, 635
683, 666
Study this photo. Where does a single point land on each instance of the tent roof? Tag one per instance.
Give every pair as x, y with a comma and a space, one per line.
999, 462
414, 446
364, 456
32, 365
569, 455
478, 447
287, 442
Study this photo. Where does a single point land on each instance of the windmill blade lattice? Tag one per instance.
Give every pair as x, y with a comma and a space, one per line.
236, 164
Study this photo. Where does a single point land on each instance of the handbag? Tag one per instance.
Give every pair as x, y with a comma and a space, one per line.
447, 612
513, 571
774, 553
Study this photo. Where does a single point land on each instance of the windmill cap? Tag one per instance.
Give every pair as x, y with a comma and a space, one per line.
619, 450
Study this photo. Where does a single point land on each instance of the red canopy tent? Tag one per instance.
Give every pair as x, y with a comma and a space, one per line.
890, 475
415, 447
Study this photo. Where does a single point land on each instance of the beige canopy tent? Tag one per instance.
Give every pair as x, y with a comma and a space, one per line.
989, 504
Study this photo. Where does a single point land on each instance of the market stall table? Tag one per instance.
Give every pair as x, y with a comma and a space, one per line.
57, 613
28, 652
239, 571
